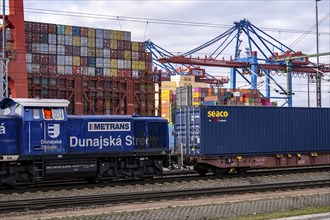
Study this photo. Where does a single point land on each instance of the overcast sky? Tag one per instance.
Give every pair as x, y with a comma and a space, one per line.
181, 25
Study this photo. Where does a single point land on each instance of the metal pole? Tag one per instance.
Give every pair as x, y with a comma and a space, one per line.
308, 90
2, 61
318, 75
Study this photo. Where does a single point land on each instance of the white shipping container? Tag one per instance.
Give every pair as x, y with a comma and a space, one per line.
29, 68
83, 42
91, 71
84, 71
83, 51
106, 72
44, 48
135, 55
68, 40
68, 61
35, 48
60, 70
68, 70
121, 64
99, 43
106, 52
60, 39
29, 58
52, 49
135, 74
106, 34
60, 60
52, 38
99, 62
99, 33
61, 49
127, 36
106, 63
128, 64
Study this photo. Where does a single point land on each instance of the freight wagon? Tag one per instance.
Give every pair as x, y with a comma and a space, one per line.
219, 138
39, 141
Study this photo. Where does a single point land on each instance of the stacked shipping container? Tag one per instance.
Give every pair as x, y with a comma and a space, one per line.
197, 94
101, 70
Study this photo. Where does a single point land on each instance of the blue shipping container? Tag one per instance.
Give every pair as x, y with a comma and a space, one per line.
243, 130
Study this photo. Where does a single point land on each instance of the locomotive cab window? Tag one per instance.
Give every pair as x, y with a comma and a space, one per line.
53, 114
48, 115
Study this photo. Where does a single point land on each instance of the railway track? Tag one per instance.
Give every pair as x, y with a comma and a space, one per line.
168, 177
65, 202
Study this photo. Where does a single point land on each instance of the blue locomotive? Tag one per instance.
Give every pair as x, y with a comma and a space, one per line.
39, 141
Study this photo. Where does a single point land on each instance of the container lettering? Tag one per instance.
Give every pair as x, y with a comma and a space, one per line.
217, 114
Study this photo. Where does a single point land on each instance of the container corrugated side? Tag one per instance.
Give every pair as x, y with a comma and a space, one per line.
238, 130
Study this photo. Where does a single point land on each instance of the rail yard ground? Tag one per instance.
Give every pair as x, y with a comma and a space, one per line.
246, 206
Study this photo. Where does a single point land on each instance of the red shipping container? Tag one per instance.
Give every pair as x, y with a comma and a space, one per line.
44, 59
83, 61
52, 59
28, 37
35, 58
113, 54
142, 56
35, 27
83, 31
120, 54
28, 26
35, 37
121, 45
52, 28
128, 73
68, 50
121, 73
106, 43
44, 28
75, 51
44, 69
52, 70
76, 70
127, 45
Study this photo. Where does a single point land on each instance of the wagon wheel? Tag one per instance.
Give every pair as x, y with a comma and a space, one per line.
202, 172
220, 171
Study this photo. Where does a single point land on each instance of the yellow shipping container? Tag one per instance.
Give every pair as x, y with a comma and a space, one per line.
196, 103
197, 94
135, 46
165, 97
91, 32
166, 92
114, 72
114, 63
114, 35
135, 65
76, 60
142, 65
68, 30
121, 35
167, 85
91, 42
114, 44
76, 41
127, 54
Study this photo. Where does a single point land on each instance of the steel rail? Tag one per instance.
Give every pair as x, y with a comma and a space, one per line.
65, 202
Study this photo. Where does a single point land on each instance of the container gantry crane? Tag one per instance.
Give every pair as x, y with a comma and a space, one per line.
258, 42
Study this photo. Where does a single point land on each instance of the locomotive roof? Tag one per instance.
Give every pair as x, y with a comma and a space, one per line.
35, 102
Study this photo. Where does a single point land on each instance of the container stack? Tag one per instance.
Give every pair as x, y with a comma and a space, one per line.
201, 96
72, 50
168, 98
110, 65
